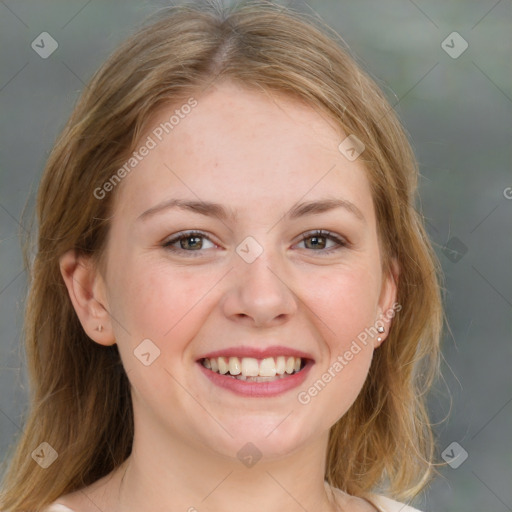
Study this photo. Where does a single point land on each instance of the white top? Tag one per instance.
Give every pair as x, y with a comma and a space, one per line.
381, 502
388, 505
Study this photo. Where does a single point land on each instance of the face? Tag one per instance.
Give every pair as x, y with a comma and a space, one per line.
272, 255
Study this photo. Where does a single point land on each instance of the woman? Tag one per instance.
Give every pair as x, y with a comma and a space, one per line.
234, 304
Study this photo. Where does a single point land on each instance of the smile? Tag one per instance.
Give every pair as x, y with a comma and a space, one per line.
255, 370
253, 377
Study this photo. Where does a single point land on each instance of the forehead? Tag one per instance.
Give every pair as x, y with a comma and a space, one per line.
244, 148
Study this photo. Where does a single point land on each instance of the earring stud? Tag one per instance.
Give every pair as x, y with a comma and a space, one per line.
99, 328
380, 329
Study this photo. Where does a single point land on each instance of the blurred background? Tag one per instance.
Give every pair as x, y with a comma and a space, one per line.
446, 67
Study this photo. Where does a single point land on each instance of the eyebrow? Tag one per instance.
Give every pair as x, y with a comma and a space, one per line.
218, 211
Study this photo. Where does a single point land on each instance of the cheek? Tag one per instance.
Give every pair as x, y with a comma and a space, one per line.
147, 297
346, 301
349, 376
160, 307
337, 382
155, 303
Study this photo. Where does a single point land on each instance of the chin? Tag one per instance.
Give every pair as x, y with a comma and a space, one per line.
267, 437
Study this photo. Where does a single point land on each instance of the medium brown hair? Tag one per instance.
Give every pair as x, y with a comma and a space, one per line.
80, 400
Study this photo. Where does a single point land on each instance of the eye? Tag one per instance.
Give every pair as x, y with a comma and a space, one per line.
194, 241
188, 241
318, 241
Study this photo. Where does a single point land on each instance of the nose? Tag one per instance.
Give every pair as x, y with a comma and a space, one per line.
259, 293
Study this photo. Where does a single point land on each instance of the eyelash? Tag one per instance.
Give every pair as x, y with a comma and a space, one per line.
310, 234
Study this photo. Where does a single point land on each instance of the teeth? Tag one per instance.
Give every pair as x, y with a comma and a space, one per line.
251, 367
234, 366
280, 365
268, 367
223, 365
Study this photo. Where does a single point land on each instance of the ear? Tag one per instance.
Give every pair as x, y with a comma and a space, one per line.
86, 289
388, 306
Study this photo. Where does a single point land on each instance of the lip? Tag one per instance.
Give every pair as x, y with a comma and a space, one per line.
257, 353
257, 389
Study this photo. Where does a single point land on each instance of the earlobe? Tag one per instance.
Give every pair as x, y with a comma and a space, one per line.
387, 303
85, 287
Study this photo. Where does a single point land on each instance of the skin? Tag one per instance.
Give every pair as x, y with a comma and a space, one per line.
258, 155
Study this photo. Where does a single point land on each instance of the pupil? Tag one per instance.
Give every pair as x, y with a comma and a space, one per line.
316, 243
188, 239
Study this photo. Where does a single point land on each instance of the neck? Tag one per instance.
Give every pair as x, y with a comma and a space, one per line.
170, 475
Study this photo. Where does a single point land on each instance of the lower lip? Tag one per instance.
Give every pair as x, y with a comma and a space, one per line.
258, 389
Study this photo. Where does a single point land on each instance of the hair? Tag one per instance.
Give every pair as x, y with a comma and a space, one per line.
80, 400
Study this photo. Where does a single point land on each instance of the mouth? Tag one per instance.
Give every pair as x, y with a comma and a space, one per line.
256, 372
251, 369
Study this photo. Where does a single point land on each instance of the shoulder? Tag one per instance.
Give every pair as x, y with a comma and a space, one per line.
384, 504
92, 498
57, 507
373, 502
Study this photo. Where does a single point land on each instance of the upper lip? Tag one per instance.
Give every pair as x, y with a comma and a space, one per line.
257, 352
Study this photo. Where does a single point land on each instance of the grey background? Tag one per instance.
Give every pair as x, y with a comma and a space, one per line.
458, 113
